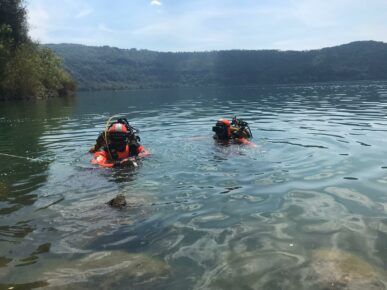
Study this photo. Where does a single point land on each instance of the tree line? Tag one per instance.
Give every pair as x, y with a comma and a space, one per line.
112, 68
27, 69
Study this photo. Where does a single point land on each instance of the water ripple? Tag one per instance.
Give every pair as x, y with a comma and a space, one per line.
306, 208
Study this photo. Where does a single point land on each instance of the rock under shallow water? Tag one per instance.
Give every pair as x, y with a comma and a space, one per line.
335, 269
354, 196
118, 202
107, 270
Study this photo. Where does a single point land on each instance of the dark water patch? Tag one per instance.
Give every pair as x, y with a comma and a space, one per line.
27, 261
302, 145
363, 144
51, 204
229, 189
7, 210
343, 141
272, 130
20, 230
326, 134
4, 261
44, 248
350, 178
24, 286
369, 129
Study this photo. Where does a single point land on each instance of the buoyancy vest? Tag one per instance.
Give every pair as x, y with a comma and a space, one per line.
102, 158
124, 154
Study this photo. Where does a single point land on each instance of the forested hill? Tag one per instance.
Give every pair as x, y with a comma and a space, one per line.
112, 68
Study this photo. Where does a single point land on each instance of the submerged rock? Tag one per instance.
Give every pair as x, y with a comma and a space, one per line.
337, 269
107, 270
354, 196
118, 202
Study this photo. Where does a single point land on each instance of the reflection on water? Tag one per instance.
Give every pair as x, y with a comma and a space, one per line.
306, 208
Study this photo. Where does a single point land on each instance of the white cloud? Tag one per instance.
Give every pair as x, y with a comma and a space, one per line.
206, 25
156, 3
84, 13
39, 20
52, 23
102, 27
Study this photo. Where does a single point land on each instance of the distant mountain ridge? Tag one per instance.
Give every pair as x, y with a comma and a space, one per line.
113, 68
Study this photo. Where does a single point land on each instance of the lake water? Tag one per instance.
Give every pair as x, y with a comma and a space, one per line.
305, 209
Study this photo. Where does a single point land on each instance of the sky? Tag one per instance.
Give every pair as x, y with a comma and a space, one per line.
203, 25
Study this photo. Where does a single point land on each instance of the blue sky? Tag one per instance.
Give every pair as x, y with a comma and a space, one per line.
198, 25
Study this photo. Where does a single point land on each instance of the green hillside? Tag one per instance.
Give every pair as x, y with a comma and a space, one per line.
112, 68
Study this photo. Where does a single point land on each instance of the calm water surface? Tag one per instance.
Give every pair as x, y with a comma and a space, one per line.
306, 208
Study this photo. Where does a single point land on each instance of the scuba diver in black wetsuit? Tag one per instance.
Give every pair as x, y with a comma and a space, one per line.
117, 145
237, 130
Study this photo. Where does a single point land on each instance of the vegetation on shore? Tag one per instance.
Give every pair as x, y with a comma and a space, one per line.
27, 70
112, 68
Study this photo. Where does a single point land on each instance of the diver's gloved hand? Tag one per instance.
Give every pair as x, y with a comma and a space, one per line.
129, 161
92, 149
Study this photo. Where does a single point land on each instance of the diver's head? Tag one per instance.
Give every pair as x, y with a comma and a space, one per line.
118, 135
222, 129
118, 128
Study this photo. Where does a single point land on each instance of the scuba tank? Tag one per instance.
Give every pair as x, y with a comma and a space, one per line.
240, 128
237, 129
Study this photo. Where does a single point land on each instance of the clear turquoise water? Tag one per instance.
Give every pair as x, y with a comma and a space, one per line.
306, 208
